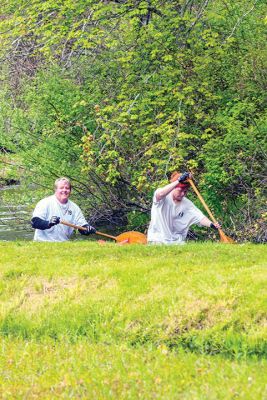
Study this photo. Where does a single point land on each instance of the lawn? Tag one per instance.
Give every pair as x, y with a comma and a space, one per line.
80, 320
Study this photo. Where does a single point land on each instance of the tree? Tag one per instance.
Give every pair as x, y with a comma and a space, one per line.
129, 91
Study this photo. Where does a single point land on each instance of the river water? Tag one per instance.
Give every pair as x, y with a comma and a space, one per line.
14, 218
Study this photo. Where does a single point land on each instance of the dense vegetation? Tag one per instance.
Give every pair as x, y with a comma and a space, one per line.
80, 320
118, 94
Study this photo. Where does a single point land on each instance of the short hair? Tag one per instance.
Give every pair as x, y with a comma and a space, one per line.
174, 177
63, 178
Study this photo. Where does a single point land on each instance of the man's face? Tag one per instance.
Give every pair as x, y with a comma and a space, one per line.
179, 193
62, 191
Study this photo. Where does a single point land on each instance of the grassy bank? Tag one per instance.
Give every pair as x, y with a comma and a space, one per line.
80, 319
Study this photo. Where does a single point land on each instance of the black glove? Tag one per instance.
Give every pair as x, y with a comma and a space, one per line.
184, 177
213, 226
39, 223
54, 221
89, 230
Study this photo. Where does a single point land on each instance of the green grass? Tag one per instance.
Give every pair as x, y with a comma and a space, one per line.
80, 320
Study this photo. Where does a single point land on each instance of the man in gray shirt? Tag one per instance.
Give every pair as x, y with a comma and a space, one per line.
172, 213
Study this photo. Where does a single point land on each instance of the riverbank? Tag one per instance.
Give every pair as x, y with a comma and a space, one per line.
118, 322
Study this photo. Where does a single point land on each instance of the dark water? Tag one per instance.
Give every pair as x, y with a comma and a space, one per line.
14, 218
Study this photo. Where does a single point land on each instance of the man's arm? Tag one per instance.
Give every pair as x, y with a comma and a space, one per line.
208, 223
163, 192
39, 223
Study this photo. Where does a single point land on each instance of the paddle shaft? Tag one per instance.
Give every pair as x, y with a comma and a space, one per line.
202, 200
82, 228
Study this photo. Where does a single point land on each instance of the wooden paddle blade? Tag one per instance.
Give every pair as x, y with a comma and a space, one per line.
224, 238
131, 237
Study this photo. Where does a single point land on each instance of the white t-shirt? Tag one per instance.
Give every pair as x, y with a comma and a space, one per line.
50, 207
170, 221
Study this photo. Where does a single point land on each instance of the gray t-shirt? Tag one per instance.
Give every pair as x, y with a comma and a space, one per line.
170, 221
50, 207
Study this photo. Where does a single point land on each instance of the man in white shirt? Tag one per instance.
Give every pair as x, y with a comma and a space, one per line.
48, 212
172, 213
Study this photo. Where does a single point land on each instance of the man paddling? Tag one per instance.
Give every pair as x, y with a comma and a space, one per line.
48, 212
172, 213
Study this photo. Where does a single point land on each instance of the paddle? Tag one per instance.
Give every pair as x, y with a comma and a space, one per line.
126, 237
223, 237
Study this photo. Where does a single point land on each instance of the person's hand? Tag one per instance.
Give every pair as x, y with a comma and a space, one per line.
89, 229
54, 221
215, 225
184, 177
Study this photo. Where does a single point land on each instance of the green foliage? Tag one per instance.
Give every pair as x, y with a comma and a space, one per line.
130, 91
47, 121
